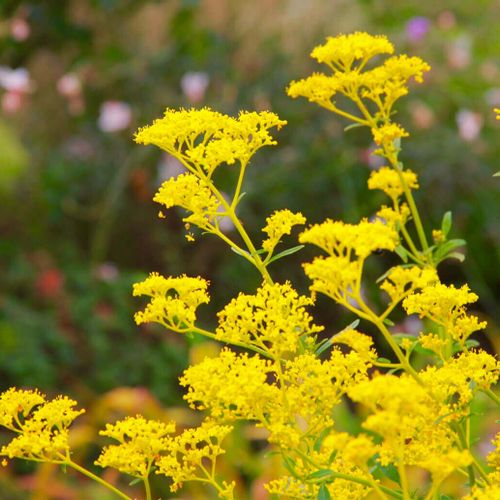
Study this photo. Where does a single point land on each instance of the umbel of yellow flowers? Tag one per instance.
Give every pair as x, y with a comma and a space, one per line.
284, 377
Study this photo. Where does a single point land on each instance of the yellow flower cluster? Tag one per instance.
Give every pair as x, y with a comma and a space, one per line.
41, 425
359, 342
347, 246
279, 224
389, 181
141, 443
173, 300
188, 192
456, 381
410, 423
444, 305
203, 139
401, 281
192, 455
230, 386
273, 319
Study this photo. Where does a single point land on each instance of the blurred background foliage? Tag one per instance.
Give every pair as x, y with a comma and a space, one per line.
77, 223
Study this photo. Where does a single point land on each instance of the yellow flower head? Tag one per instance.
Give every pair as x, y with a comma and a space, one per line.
189, 453
445, 305
230, 386
389, 181
203, 139
273, 319
141, 442
341, 239
386, 134
359, 342
43, 427
401, 280
394, 218
342, 51
173, 300
279, 224
188, 192
497, 111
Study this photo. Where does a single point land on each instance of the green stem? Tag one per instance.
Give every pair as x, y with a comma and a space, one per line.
411, 203
492, 396
213, 336
147, 488
97, 479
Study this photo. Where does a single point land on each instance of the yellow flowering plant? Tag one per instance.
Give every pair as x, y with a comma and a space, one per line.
285, 376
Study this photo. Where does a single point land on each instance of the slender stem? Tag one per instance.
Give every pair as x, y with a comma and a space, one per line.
213, 336
404, 480
411, 202
239, 184
147, 488
99, 480
492, 396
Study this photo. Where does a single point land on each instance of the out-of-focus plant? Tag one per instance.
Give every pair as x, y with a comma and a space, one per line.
417, 406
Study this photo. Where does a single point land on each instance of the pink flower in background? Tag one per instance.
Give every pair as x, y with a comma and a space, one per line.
469, 124
417, 27
194, 85
114, 116
459, 53
69, 85
168, 167
20, 30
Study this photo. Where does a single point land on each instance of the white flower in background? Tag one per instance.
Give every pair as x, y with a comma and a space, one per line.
17, 83
15, 80
168, 167
114, 116
194, 84
469, 124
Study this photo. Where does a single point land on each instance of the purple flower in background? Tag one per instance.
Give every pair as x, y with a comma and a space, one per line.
115, 116
417, 27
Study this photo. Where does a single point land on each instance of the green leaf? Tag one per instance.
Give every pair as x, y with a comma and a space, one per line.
388, 322
354, 125
497, 174
284, 253
456, 255
446, 223
388, 471
320, 476
384, 360
239, 251
321, 437
135, 481
402, 252
325, 344
323, 493
472, 343
289, 464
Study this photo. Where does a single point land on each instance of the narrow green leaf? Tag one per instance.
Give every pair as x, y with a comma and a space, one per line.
321, 437
320, 475
471, 343
239, 251
446, 223
496, 174
402, 252
384, 360
284, 253
354, 125
388, 322
323, 493
135, 481
456, 255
